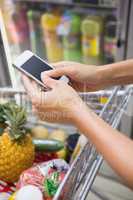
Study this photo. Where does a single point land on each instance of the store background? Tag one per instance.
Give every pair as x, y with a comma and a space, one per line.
64, 24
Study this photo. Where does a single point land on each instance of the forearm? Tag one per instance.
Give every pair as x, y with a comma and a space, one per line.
116, 149
116, 74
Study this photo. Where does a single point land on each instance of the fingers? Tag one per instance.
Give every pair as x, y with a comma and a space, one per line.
49, 82
60, 64
56, 72
32, 89
27, 83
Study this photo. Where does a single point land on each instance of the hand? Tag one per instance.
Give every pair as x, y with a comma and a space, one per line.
57, 105
82, 77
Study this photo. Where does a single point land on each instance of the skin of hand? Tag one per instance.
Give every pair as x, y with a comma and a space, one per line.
85, 78
55, 105
82, 77
116, 148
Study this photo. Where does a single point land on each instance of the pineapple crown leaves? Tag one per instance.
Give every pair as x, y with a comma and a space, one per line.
15, 117
2, 119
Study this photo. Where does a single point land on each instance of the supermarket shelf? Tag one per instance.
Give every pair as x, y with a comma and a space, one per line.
42, 3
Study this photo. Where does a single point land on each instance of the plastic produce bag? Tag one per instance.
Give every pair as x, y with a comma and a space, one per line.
46, 176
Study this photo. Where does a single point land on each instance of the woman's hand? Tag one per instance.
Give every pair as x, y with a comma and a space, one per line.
82, 77
57, 105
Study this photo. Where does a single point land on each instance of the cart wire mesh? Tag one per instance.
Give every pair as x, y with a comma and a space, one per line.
81, 175
79, 179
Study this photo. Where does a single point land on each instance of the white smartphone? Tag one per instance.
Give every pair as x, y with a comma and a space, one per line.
32, 66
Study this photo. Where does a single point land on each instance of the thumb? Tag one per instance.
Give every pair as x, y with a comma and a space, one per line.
55, 73
48, 81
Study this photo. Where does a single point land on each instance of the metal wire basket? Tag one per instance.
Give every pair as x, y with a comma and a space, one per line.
79, 179
84, 169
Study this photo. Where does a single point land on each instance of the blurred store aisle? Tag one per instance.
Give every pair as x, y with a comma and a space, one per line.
107, 186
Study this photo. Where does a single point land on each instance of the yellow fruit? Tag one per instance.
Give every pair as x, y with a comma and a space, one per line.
16, 147
15, 157
40, 132
12, 197
62, 154
58, 135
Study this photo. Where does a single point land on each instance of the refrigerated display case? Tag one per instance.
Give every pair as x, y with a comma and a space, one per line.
68, 22
93, 32
5, 64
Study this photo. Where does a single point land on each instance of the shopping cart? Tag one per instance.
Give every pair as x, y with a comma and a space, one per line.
79, 179
81, 175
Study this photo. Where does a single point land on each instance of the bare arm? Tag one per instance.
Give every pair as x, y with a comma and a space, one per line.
116, 148
91, 78
116, 74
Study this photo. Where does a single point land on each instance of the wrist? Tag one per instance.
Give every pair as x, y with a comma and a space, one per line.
78, 110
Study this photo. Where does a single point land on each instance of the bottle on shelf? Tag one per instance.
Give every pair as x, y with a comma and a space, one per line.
18, 29
110, 39
72, 36
53, 44
92, 27
35, 33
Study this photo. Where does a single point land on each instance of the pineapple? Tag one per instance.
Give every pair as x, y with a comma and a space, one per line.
16, 148
3, 125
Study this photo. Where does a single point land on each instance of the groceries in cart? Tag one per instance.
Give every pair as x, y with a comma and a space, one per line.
17, 150
31, 151
46, 176
41, 181
27, 192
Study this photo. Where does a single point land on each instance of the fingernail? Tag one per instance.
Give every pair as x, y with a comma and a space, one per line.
42, 75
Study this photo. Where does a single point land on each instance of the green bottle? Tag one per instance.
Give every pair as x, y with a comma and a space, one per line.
35, 32
91, 39
72, 38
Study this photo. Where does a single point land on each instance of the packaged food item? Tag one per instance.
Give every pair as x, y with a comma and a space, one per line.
91, 28
29, 192
71, 144
82, 141
110, 39
72, 37
50, 23
46, 176
35, 32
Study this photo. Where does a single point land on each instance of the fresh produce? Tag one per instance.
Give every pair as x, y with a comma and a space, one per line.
48, 145
58, 135
29, 192
44, 156
62, 154
46, 176
3, 125
61, 136
39, 132
16, 147
12, 197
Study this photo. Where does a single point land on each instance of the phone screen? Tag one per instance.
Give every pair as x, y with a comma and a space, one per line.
35, 66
